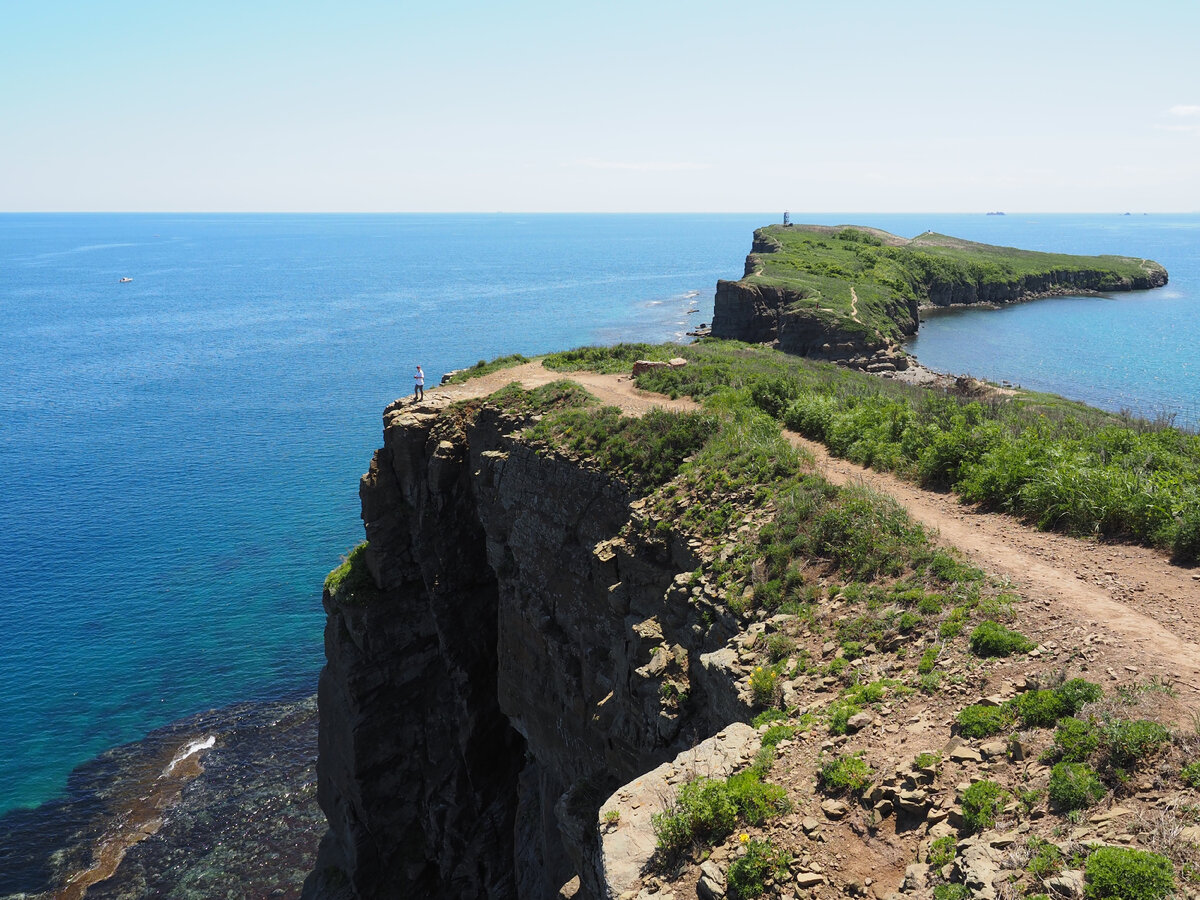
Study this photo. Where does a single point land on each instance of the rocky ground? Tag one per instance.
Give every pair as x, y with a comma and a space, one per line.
1116, 615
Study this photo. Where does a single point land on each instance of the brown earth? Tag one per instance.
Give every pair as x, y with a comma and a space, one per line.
1119, 615
1138, 611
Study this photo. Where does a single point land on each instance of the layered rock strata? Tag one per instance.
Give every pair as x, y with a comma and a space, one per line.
522, 655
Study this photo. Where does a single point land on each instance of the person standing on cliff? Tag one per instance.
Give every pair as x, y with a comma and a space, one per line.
419, 385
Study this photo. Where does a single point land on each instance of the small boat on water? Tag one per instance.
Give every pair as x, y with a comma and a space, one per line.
125, 280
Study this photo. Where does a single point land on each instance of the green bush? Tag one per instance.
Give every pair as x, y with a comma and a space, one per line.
839, 715
951, 892
777, 733
1118, 873
706, 810
1075, 785
703, 813
764, 684
1186, 545
942, 850
993, 639
1045, 859
928, 661
1039, 709
982, 802
1075, 740
1076, 693
1132, 741
351, 582
1191, 774
844, 774
780, 647
748, 874
755, 800
979, 721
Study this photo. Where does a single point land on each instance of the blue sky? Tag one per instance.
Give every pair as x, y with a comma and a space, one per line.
615, 106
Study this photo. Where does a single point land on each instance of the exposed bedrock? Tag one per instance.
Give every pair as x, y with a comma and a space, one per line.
509, 675
763, 313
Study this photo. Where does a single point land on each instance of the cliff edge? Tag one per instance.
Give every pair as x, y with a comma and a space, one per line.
851, 294
506, 654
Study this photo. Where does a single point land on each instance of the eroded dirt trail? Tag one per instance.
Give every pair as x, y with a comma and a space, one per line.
1126, 611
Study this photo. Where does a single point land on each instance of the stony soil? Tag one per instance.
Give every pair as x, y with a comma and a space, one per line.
1119, 615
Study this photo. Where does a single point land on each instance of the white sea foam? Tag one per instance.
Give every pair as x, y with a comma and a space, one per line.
191, 749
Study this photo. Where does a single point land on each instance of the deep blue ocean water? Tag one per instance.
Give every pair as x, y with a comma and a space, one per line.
179, 455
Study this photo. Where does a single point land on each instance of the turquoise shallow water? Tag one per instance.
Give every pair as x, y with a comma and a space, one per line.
179, 455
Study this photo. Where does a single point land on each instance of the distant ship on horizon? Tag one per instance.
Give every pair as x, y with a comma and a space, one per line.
995, 214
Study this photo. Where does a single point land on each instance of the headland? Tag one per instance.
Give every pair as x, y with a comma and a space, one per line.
851, 294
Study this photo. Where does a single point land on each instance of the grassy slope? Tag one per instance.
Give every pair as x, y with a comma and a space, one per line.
820, 263
1062, 465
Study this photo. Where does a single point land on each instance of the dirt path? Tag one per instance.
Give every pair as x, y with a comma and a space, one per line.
854, 305
1124, 611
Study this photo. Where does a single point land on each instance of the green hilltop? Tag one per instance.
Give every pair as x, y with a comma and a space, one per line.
863, 286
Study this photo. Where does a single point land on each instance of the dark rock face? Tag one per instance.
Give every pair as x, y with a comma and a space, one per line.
761, 313
508, 676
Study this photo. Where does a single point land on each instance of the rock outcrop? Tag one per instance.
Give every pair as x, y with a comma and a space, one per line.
523, 655
768, 307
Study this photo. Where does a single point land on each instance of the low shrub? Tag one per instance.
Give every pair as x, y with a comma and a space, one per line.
1191, 774
982, 721
1131, 741
756, 800
928, 661
1045, 859
706, 810
1039, 709
982, 802
1077, 692
1075, 785
764, 684
993, 639
942, 850
747, 875
777, 733
1075, 740
780, 647
951, 892
839, 715
1118, 873
845, 774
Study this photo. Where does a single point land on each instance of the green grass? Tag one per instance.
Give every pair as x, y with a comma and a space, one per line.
1057, 464
993, 639
982, 803
484, 367
1075, 785
891, 276
707, 810
644, 451
351, 582
844, 774
1118, 873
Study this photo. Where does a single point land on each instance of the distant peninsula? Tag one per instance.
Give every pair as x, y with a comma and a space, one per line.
851, 294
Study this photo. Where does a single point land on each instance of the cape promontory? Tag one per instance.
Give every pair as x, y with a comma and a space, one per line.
850, 294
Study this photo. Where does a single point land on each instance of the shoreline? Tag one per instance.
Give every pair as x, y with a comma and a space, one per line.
200, 802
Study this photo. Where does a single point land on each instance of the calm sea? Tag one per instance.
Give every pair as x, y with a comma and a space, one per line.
179, 454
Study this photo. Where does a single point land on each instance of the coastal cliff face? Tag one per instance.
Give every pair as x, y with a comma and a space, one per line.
779, 299
519, 655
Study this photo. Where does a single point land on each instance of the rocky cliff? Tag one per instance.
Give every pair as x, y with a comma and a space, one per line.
518, 653
851, 294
